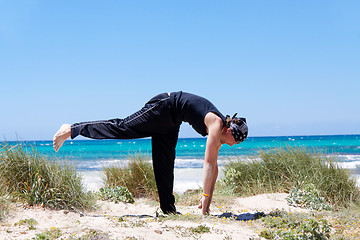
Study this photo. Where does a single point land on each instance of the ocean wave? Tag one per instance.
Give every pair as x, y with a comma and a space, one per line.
98, 165
350, 165
94, 165
347, 158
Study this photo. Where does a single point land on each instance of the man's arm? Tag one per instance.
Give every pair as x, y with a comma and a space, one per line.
210, 170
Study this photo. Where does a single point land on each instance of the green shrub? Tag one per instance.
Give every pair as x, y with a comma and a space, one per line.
52, 234
200, 229
282, 169
308, 197
138, 176
29, 222
38, 180
117, 194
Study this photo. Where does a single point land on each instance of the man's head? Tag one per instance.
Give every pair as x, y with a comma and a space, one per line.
238, 126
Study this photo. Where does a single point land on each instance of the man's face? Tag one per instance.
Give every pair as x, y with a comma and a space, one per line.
227, 137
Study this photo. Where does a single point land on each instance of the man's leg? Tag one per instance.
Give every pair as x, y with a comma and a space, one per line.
61, 135
153, 118
105, 129
163, 152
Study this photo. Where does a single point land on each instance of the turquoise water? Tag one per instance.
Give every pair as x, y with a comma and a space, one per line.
93, 154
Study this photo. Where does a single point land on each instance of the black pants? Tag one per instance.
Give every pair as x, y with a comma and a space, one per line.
154, 120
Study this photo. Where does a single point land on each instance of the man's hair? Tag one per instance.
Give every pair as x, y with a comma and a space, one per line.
233, 120
238, 127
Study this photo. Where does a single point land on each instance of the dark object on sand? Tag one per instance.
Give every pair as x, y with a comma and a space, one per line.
242, 217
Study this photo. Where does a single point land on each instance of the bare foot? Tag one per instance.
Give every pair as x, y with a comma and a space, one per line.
61, 135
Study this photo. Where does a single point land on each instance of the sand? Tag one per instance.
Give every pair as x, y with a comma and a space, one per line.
104, 222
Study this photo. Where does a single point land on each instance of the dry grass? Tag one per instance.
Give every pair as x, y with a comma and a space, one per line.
282, 169
36, 180
137, 176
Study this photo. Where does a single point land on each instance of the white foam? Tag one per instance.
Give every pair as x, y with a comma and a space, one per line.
348, 157
347, 161
179, 162
181, 187
188, 163
92, 180
350, 165
184, 179
99, 165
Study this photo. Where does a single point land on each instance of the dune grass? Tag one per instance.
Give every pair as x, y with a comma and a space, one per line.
137, 176
282, 169
5, 200
36, 180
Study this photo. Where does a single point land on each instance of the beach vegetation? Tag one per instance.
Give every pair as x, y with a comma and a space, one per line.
51, 234
92, 234
5, 200
188, 217
29, 222
285, 225
38, 180
117, 194
200, 229
282, 169
336, 225
308, 197
345, 222
135, 224
193, 232
137, 176
131, 223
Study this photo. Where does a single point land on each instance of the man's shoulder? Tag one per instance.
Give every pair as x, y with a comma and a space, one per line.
213, 117
213, 121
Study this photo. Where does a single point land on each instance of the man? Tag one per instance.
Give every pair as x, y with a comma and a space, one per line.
160, 119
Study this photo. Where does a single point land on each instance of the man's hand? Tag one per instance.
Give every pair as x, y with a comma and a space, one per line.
205, 205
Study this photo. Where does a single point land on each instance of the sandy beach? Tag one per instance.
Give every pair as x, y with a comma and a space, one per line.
108, 221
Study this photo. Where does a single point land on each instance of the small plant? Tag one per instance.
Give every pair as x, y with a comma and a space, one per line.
308, 197
193, 232
126, 223
30, 222
92, 234
200, 229
51, 234
315, 229
267, 234
117, 194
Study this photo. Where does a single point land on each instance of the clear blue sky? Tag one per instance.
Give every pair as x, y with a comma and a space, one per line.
289, 67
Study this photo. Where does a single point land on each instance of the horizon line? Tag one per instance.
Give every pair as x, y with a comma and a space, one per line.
89, 139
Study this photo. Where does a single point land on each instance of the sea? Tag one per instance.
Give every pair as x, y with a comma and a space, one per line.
90, 156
